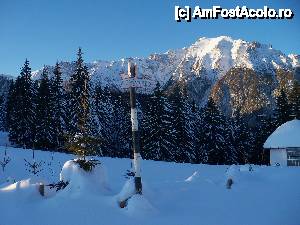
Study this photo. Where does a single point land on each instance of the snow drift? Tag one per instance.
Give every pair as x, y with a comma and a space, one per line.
81, 181
173, 194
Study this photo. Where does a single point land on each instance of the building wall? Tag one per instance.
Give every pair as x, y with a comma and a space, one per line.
278, 156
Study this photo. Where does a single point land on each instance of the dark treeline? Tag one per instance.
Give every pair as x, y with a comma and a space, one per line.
50, 114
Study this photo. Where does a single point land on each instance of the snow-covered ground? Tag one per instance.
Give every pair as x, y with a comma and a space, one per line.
175, 194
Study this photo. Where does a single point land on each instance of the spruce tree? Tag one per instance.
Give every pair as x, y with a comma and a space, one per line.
21, 127
44, 114
120, 139
35, 87
201, 155
282, 109
215, 139
101, 113
180, 108
2, 113
243, 139
157, 134
10, 113
79, 103
57, 99
193, 118
79, 95
294, 98
265, 126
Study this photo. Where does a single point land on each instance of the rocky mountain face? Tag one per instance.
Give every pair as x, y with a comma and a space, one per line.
238, 74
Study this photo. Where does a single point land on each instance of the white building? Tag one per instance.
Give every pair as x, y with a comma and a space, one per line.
284, 144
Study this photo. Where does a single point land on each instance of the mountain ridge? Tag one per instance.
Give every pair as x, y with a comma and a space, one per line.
209, 69
196, 49
215, 56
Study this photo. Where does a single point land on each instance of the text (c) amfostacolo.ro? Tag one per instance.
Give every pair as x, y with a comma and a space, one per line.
188, 13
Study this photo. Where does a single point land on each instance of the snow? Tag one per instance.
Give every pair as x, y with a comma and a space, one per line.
287, 135
173, 194
127, 191
295, 59
246, 168
81, 181
194, 176
139, 206
23, 185
231, 172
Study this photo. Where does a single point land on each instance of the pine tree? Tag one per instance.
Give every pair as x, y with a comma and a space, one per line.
79, 103
57, 99
21, 123
35, 88
2, 113
282, 110
193, 118
120, 139
265, 126
294, 98
111, 122
215, 139
79, 95
181, 109
44, 138
10, 107
242, 138
101, 114
157, 134
201, 155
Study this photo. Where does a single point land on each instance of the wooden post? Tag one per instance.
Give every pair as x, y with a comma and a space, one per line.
229, 183
132, 73
42, 189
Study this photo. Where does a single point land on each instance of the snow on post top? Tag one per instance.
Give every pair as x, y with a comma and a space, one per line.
287, 135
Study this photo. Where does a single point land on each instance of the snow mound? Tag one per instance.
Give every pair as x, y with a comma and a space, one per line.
287, 135
81, 181
231, 172
139, 206
25, 189
246, 168
127, 191
6, 181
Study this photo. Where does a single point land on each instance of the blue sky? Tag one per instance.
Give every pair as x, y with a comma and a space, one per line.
45, 31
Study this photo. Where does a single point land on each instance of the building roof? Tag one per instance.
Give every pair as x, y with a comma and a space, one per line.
287, 135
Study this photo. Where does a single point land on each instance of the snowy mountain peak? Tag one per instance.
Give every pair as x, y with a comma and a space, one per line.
212, 41
210, 56
217, 55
